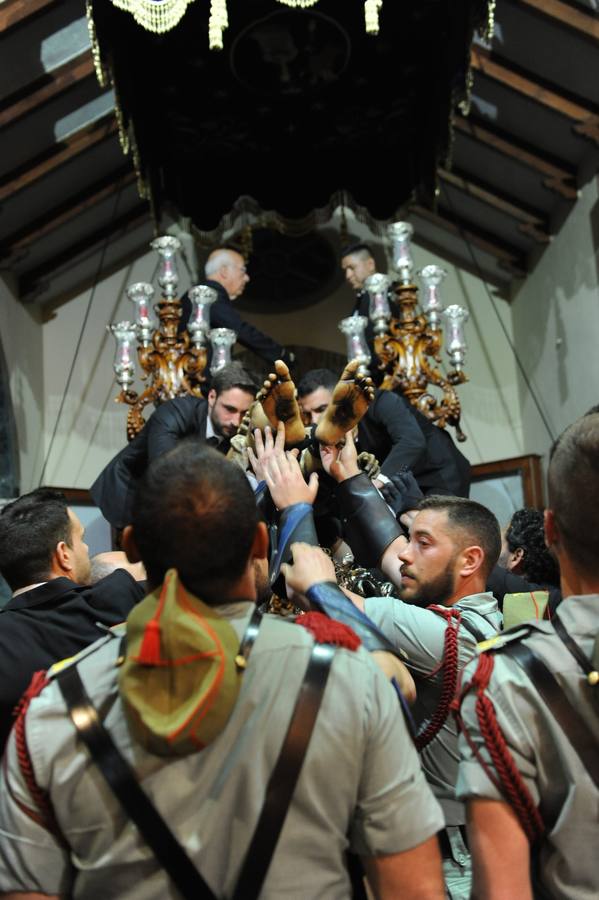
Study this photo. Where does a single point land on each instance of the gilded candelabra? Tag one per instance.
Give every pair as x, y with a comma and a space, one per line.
174, 360
408, 335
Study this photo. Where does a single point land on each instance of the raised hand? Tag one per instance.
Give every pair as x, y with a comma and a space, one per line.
280, 470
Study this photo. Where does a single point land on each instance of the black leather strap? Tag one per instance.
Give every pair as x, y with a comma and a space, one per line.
285, 774
251, 633
575, 729
474, 631
122, 780
581, 658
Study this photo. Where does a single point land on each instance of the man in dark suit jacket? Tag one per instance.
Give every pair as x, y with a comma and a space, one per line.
54, 613
226, 273
214, 420
397, 434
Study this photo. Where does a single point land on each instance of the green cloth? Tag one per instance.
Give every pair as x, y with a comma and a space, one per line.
522, 607
179, 680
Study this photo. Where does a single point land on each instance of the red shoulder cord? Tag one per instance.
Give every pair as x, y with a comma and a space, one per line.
43, 814
329, 631
508, 780
449, 664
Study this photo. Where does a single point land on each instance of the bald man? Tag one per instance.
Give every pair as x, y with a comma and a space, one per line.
226, 272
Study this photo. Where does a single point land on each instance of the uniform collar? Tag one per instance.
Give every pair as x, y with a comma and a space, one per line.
483, 603
579, 614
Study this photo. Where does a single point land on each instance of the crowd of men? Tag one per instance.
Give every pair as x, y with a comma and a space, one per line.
215, 713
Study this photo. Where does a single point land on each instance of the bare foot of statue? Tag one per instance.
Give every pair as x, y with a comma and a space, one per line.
351, 398
279, 403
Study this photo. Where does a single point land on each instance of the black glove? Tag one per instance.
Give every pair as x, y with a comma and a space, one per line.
402, 492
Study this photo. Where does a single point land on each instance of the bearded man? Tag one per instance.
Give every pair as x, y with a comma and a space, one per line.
444, 610
213, 421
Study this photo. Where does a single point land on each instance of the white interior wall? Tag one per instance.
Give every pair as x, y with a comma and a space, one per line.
90, 428
556, 327
22, 342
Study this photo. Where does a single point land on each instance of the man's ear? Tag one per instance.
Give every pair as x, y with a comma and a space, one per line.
211, 397
260, 545
471, 560
129, 544
61, 559
516, 560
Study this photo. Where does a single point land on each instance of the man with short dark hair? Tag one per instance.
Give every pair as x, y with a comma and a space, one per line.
202, 722
358, 263
53, 612
444, 610
528, 769
214, 420
226, 273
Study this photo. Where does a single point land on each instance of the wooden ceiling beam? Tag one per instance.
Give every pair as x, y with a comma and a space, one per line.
12, 12
558, 179
585, 121
508, 257
533, 225
44, 88
17, 243
107, 233
585, 24
57, 155
49, 307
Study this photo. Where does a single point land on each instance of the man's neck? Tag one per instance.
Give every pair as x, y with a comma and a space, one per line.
467, 590
576, 583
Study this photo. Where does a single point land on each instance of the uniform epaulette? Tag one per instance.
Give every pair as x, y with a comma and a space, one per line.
116, 632
501, 640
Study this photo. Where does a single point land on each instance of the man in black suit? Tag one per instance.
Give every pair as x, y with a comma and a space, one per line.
53, 613
214, 420
226, 273
397, 434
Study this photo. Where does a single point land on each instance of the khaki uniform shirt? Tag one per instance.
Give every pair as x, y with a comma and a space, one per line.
360, 787
420, 633
568, 866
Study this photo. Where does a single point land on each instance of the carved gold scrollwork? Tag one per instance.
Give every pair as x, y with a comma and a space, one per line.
405, 356
175, 367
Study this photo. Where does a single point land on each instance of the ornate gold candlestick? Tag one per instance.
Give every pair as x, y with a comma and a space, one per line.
406, 355
408, 334
174, 361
